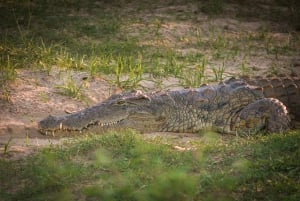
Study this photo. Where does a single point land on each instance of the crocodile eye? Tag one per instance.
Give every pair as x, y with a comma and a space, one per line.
120, 102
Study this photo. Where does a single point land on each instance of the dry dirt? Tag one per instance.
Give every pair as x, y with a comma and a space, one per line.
33, 96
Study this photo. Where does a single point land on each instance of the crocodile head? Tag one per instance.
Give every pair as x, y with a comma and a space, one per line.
129, 110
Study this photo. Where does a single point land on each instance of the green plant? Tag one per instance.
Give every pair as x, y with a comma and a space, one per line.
43, 96
130, 70
245, 70
135, 73
7, 144
199, 37
70, 88
218, 72
27, 138
195, 76
157, 26
274, 69
119, 68
219, 42
5, 94
101, 63
94, 65
65, 59
7, 70
173, 66
268, 44
45, 56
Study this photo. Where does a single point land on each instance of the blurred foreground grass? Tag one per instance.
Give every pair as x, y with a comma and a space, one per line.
125, 166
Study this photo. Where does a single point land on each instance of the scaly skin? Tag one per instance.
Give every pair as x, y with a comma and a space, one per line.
233, 106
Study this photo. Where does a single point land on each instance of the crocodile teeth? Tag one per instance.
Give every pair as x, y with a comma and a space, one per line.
109, 123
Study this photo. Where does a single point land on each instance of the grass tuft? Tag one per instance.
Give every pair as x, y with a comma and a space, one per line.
71, 88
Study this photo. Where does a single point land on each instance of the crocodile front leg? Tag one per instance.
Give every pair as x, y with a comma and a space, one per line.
267, 114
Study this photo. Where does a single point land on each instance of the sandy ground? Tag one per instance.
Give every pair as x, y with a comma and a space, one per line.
33, 96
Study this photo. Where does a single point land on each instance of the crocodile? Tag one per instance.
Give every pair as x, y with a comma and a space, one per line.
236, 105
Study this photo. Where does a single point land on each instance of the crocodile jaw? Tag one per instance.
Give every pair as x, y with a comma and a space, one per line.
52, 125
141, 121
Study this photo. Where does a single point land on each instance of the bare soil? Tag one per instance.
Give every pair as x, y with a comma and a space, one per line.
33, 96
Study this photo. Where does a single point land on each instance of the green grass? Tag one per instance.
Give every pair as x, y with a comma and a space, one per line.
124, 166
218, 72
195, 76
213, 7
93, 36
70, 88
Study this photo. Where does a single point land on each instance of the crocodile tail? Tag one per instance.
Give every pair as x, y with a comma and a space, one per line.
284, 88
